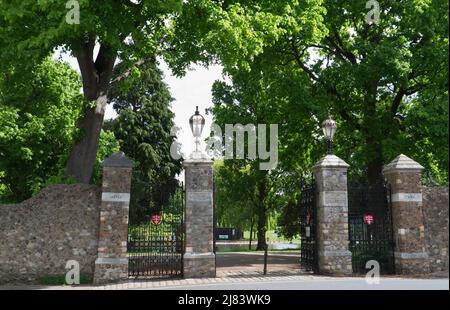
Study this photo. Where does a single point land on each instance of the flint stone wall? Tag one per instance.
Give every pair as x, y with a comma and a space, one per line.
435, 211
39, 235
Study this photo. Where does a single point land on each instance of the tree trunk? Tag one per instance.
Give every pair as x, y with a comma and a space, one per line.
261, 228
82, 157
262, 214
374, 150
375, 176
96, 77
251, 234
375, 162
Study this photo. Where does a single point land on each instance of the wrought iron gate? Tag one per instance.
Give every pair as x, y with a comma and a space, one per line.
370, 227
308, 223
155, 248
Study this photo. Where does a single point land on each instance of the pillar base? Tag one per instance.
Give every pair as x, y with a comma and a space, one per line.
199, 265
411, 263
110, 270
335, 263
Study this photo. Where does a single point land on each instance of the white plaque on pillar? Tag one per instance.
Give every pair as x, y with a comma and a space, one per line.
407, 197
199, 197
334, 198
115, 197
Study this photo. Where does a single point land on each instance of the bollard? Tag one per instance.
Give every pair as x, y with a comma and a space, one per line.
265, 256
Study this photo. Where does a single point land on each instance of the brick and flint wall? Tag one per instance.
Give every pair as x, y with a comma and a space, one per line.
435, 214
40, 235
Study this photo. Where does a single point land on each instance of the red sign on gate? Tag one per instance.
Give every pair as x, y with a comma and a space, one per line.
156, 219
369, 218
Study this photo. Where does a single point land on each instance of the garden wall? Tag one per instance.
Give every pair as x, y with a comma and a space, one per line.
435, 211
39, 235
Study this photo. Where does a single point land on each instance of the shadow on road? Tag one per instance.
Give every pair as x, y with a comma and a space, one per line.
252, 263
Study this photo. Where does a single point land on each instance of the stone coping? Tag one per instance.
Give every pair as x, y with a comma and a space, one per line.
331, 161
402, 162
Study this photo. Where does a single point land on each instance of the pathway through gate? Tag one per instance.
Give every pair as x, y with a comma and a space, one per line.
155, 248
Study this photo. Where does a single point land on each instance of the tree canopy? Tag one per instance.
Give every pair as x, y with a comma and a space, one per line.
322, 56
379, 81
38, 113
122, 30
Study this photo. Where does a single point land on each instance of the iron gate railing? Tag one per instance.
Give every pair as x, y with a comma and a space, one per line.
370, 227
308, 227
156, 249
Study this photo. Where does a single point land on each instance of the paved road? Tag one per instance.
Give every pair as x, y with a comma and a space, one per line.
243, 271
295, 282
326, 284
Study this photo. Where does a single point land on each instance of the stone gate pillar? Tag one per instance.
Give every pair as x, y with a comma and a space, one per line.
111, 264
199, 259
332, 216
404, 177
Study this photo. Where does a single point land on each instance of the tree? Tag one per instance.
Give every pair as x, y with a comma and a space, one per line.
236, 198
143, 129
312, 58
38, 111
369, 74
122, 30
243, 180
426, 123
332, 60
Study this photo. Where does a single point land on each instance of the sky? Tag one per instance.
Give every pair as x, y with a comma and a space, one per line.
194, 89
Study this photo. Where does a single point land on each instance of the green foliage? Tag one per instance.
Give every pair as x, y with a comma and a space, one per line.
235, 32
126, 30
386, 84
235, 197
108, 145
251, 98
38, 112
245, 194
60, 178
143, 129
316, 57
426, 123
33, 29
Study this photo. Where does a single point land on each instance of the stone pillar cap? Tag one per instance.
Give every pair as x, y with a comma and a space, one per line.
118, 159
402, 162
331, 161
194, 161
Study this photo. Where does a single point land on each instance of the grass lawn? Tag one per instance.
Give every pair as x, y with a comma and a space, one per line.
61, 280
272, 236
